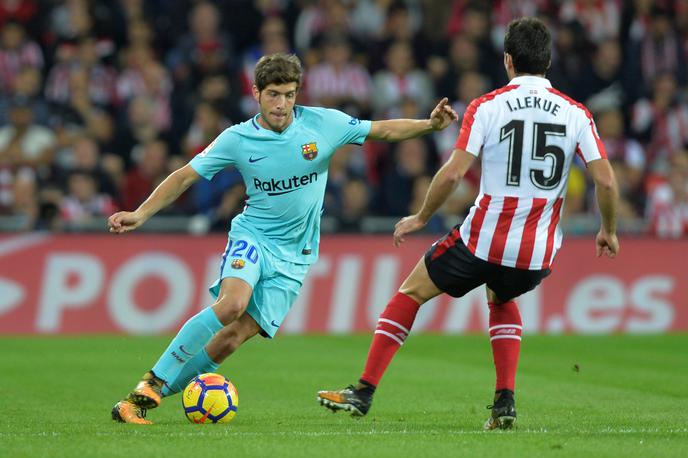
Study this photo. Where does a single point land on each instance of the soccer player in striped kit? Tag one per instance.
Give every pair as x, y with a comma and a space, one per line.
526, 134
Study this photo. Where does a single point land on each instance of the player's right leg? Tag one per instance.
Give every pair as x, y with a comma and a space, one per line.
393, 327
233, 291
189, 341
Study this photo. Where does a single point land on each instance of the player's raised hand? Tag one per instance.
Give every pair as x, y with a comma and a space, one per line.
405, 226
607, 244
442, 115
122, 222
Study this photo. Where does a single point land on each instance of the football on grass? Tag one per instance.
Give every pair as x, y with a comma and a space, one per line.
210, 398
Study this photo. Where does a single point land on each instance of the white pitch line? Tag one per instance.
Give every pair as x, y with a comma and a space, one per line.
228, 432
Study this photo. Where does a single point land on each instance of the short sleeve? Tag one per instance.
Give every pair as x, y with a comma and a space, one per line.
217, 155
345, 129
472, 133
590, 147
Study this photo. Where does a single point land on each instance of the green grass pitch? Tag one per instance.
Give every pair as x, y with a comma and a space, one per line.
577, 396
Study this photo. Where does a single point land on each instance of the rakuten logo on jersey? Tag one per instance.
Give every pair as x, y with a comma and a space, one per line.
285, 185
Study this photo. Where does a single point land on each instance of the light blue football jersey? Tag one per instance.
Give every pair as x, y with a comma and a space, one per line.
285, 175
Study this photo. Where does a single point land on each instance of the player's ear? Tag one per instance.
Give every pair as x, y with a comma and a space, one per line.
508, 62
256, 93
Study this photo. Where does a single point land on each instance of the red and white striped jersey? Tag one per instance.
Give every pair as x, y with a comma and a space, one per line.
527, 133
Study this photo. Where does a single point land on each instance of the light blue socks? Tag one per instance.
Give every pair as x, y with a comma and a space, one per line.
199, 364
188, 342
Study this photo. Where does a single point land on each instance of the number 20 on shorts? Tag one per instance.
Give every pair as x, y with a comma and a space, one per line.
238, 249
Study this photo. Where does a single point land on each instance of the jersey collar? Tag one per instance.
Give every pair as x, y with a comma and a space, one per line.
530, 80
296, 114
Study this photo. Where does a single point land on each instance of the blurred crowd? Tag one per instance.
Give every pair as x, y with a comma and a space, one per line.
100, 100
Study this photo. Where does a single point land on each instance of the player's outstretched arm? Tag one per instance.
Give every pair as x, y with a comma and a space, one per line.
394, 130
607, 194
166, 193
443, 184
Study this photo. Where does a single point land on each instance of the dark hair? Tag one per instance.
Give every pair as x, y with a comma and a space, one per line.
277, 69
529, 43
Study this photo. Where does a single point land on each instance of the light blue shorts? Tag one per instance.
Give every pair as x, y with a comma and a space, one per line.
275, 282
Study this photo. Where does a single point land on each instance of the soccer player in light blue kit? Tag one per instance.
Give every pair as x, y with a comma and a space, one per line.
283, 154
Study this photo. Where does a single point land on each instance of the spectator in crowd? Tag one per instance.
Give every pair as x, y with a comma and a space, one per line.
474, 25
205, 49
222, 91
24, 143
601, 85
661, 121
600, 18
628, 158
145, 77
83, 203
27, 84
402, 23
138, 128
396, 187
24, 12
25, 198
463, 57
654, 52
83, 80
84, 154
338, 82
17, 51
317, 19
207, 124
568, 59
399, 80
469, 86
668, 202
150, 169
70, 20
354, 207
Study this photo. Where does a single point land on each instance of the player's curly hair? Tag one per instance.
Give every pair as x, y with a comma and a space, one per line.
529, 43
277, 69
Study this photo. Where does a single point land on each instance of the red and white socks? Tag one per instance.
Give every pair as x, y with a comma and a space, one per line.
392, 329
396, 321
505, 338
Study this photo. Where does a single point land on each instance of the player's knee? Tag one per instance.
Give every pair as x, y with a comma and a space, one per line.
418, 291
229, 309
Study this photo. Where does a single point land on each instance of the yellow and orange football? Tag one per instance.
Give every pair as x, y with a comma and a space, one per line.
210, 398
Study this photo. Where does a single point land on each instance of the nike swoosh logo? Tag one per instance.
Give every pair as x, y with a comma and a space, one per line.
181, 347
274, 324
205, 416
252, 160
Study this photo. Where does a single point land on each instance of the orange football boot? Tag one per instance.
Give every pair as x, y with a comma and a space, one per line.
350, 399
127, 412
147, 393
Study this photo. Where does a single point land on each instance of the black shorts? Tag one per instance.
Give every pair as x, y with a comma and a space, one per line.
456, 271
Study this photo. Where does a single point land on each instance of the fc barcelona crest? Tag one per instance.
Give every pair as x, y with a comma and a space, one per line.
309, 151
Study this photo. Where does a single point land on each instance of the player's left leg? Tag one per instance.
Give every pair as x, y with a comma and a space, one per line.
505, 337
220, 347
392, 329
505, 340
